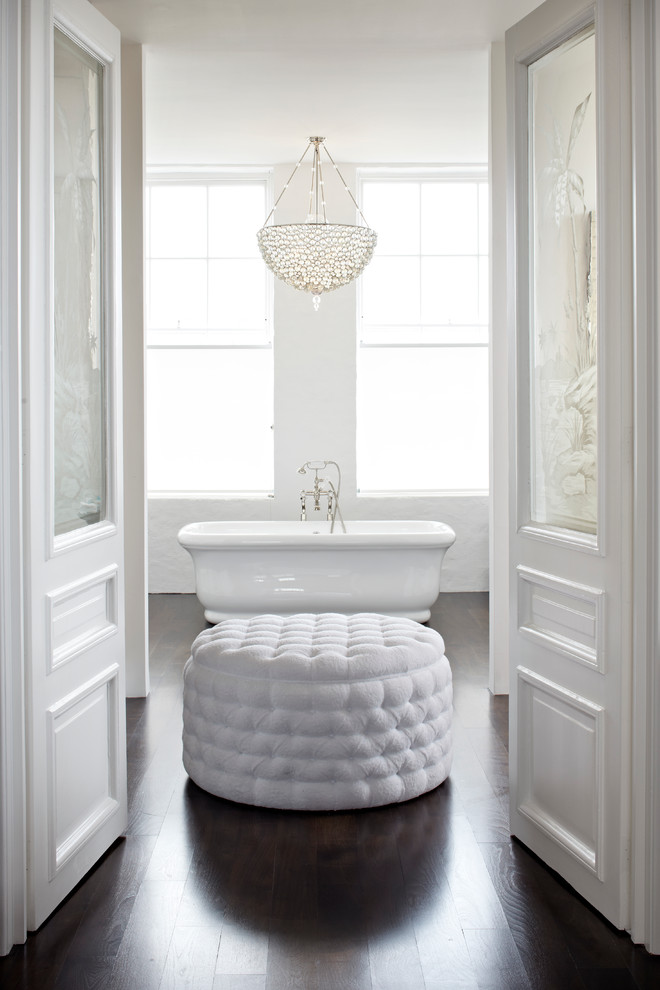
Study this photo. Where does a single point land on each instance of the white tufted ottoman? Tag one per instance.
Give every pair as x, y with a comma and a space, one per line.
317, 712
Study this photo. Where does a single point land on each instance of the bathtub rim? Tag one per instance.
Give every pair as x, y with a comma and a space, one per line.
371, 533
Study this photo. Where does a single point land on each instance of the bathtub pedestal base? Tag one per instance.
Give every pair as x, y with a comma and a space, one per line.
318, 711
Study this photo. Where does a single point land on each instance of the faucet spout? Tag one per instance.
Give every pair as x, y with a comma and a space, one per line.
322, 488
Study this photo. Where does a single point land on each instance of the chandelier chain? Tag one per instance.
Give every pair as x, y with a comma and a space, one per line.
321, 190
336, 168
288, 182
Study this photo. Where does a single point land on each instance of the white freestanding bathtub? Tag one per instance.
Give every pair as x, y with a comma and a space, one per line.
252, 568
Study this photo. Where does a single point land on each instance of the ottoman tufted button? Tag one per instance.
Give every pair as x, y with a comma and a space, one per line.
289, 709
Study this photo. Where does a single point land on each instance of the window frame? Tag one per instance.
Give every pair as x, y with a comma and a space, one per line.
205, 337
159, 338
391, 337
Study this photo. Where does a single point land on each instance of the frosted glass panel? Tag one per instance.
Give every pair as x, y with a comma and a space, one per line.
564, 284
423, 419
209, 415
79, 413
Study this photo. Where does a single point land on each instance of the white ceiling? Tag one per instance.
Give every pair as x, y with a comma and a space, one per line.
285, 25
247, 81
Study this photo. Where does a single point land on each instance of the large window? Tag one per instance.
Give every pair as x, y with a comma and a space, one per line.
423, 330
209, 336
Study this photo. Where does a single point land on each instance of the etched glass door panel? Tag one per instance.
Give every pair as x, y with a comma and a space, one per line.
79, 414
563, 374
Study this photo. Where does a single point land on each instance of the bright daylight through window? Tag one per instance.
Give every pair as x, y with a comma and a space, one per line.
423, 329
209, 337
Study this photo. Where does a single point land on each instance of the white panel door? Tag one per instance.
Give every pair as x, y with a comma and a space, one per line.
76, 776
571, 517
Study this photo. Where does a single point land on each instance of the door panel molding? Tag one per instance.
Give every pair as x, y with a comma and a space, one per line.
582, 542
562, 615
561, 724
59, 545
84, 736
81, 615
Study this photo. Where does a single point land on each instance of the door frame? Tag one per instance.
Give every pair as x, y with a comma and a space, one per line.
645, 780
12, 720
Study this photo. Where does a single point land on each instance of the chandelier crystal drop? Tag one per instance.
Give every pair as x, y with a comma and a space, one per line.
316, 256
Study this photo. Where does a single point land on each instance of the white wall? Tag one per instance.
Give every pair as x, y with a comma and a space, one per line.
440, 115
499, 384
135, 524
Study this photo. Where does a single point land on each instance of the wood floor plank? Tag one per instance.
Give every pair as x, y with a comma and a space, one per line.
243, 950
591, 941
496, 961
493, 757
344, 964
608, 979
540, 941
39, 961
94, 948
394, 959
474, 895
645, 969
467, 772
190, 963
295, 881
443, 953
238, 981
292, 964
144, 949
172, 853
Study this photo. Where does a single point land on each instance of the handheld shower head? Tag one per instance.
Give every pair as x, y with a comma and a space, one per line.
313, 466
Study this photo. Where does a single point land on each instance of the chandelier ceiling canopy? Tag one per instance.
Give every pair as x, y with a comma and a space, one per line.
316, 256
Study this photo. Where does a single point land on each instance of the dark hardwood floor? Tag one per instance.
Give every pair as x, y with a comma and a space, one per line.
203, 894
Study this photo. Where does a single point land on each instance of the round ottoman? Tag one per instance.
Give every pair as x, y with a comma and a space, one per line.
317, 712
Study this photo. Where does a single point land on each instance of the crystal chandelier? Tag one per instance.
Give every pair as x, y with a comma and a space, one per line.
316, 256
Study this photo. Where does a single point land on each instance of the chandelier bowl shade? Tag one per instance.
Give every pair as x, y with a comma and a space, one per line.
316, 257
